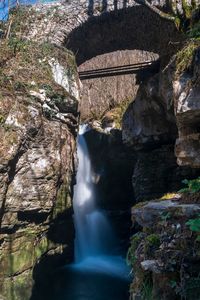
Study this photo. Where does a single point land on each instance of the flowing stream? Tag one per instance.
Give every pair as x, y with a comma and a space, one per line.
99, 272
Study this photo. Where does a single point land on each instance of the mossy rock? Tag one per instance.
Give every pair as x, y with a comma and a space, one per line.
18, 287
21, 254
22, 250
63, 199
135, 241
29, 63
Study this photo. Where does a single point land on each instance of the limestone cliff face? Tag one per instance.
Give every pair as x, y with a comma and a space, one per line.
162, 127
38, 124
166, 109
148, 121
149, 128
186, 87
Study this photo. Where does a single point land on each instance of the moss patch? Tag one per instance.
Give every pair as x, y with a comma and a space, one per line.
63, 199
116, 114
135, 241
22, 252
184, 57
18, 287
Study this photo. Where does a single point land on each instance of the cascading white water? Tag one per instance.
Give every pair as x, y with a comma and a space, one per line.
94, 235
97, 273
95, 241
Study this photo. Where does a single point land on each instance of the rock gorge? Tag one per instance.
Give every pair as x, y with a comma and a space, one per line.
39, 119
144, 142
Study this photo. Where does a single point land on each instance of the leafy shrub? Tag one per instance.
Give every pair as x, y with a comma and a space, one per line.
135, 241
194, 224
193, 186
194, 32
153, 240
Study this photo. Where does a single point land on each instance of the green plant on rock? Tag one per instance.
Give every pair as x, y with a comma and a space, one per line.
135, 241
152, 242
165, 216
185, 56
153, 239
193, 186
177, 22
2, 119
173, 283
187, 9
147, 288
194, 32
194, 224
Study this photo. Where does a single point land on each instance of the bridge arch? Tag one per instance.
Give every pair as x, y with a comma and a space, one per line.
132, 28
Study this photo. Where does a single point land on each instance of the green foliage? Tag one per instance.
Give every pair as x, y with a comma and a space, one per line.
193, 186
194, 224
2, 119
116, 113
135, 241
153, 240
173, 284
187, 9
177, 21
17, 44
165, 216
19, 17
194, 32
147, 288
57, 96
185, 56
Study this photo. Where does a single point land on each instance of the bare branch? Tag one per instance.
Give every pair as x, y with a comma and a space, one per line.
156, 10
9, 29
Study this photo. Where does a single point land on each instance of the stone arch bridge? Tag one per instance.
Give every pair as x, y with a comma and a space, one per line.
93, 27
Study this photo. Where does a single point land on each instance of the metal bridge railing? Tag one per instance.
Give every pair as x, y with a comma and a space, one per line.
149, 66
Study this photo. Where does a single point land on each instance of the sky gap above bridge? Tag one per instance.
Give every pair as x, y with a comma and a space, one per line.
6, 5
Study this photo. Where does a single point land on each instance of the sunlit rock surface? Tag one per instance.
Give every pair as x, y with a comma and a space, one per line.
38, 118
166, 109
187, 110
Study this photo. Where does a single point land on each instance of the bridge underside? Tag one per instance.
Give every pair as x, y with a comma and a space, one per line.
141, 70
131, 28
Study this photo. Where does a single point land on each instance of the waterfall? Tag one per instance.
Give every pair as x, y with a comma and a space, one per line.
94, 236
97, 272
95, 241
